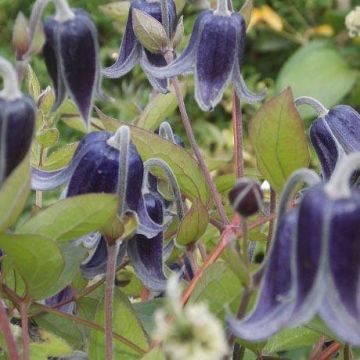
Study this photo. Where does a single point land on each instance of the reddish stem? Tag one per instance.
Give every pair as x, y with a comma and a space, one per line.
330, 351
231, 232
238, 136
6, 330
25, 330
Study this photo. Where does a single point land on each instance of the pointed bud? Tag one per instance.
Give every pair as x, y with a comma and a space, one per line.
179, 33
149, 31
246, 11
246, 197
20, 38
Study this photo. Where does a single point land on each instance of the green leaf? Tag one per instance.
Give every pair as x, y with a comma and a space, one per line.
145, 312
117, 11
73, 217
246, 11
183, 165
149, 31
60, 157
49, 346
289, 339
73, 255
158, 109
219, 287
32, 83
38, 260
126, 324
317, 70
46, 100
278, 137
48, 137
193, 225
13, 194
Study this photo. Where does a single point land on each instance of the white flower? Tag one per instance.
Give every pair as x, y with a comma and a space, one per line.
352, 22
191, 333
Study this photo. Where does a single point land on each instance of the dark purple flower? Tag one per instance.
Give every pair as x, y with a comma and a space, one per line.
71, 55
94, 169
215, 53
335, 134
313, 266
131, 51
17, 122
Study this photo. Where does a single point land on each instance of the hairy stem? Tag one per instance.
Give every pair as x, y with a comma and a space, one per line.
25, 330
11, 88
6, 331
272, 210
109, 293
194, 145
238, 136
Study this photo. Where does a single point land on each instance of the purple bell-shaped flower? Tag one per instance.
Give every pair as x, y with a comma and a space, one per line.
17, 121
215, 52
313, 266
71, 54
335, 133
131, 51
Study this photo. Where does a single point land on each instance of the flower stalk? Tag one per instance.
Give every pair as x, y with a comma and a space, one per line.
6, 331
238, 136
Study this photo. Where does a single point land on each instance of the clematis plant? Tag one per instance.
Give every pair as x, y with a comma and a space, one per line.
335, 133
71, 54
131, 51
17, 121
314, 262
215, 52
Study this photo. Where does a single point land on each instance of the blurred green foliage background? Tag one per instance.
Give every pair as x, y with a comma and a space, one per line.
300, 43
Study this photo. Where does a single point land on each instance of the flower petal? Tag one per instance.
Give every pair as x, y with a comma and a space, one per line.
52, 60
215, 58
66, 294
342, 309
78, 49
310, 253
275, 300
146, 254
96, 264
327, 147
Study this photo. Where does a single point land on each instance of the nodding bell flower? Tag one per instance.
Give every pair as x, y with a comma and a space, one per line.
64, 295
215, 52
95, 168
71, 54
335, 133
313, 266
17, 121
131, 51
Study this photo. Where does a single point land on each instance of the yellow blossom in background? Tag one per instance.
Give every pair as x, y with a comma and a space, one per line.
324, 30
267, 15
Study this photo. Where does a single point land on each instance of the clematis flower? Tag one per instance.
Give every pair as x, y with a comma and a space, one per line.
215, 52
94, 169
17, 121
131, 51
64, 295
314, 263
71, 54
335, 133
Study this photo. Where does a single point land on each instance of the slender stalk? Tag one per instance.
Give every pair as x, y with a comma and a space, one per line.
330, 351
6, 331
194, 145
25, 330
202, 250
109, 293
347, 352
11, 88
238, 136
230, 233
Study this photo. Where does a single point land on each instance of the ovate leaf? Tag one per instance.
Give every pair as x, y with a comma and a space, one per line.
125, 323
37, 259
49, 346
279, 140
193, 225
13, 194
73, 217
60, 157
154, 354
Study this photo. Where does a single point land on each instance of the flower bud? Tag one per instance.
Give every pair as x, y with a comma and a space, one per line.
72, 59
20, 38
17, 122
246, 197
